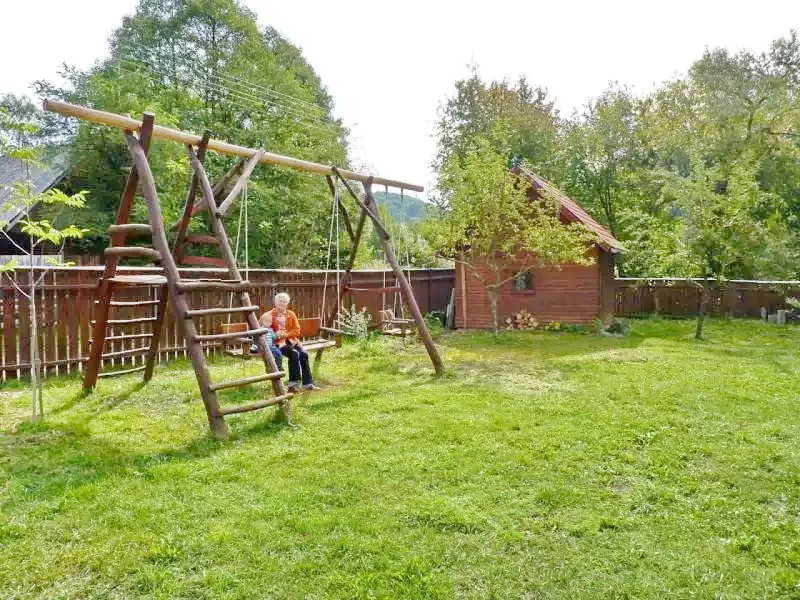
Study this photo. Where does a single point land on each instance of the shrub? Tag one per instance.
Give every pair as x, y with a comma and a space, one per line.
354, 323
617, 327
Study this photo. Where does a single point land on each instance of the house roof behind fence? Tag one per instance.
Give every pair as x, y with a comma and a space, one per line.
573, 211
12, 172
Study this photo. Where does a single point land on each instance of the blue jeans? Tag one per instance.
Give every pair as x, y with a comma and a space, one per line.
276, 354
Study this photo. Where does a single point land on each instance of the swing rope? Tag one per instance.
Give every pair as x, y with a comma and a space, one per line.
242, 216
334, 223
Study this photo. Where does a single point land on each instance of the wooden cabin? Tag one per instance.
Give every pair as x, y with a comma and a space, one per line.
571, 294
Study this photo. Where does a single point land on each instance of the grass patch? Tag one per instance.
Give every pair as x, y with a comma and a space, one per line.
542, 465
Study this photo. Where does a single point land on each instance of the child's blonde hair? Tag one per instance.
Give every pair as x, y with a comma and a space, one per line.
282, 296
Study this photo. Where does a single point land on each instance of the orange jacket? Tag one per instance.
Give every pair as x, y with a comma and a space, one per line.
270, 319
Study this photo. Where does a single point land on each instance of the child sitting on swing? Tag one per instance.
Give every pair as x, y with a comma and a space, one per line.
270, 339
287, 332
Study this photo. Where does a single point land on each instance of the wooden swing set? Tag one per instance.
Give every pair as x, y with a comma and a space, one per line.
216, 200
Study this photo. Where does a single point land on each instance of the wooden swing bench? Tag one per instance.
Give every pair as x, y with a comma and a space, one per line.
313, 337
391, 325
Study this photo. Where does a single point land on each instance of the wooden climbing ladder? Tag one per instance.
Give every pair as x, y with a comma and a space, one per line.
173, 287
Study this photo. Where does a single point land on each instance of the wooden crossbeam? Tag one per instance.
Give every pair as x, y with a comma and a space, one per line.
184, 137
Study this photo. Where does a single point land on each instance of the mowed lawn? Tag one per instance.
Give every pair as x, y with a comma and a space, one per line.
544, 465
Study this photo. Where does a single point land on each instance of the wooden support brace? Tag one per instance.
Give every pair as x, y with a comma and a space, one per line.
240, 183
408, 293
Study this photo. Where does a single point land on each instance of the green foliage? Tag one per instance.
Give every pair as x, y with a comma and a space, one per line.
488, 217
205, 65
403, 208
15, 133
354, 323
733, 115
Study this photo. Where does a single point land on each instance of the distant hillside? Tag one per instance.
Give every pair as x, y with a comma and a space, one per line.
405, 209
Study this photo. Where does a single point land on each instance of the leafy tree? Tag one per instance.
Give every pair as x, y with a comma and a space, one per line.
488, 218
720, 230
205, 64
16, 135
477, 108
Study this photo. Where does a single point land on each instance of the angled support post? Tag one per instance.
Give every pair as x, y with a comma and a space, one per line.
408, 293
233, 271
117, 239
177, 298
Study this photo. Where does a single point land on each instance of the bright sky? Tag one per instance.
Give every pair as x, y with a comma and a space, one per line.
390, 65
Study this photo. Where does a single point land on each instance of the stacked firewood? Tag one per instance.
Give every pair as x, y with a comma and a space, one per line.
522, 320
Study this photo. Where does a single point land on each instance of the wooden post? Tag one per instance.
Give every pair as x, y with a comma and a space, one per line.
233, 270
383, 238
177, 253
117, 239
240, 182
184, 137
178, 300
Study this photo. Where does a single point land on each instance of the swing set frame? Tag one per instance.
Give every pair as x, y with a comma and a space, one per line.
367, 205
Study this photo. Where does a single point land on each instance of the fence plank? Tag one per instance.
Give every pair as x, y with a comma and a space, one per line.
9, 333
66, 307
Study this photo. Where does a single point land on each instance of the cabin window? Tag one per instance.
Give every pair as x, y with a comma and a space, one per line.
523, 282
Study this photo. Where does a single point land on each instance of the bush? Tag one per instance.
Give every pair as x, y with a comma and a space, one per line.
435, 320
354, 323
617, 327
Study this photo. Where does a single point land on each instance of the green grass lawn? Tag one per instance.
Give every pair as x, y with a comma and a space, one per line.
544, 465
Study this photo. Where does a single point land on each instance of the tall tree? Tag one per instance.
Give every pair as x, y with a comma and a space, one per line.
205, 64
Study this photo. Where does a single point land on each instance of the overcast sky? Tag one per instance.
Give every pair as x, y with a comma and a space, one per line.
390, 65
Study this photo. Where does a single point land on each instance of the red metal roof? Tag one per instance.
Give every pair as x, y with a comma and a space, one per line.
572, 211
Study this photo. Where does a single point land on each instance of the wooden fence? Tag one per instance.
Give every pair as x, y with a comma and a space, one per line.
681, 298
66, 303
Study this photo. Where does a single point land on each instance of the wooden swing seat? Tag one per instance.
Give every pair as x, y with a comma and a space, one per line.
391, 325
313, 337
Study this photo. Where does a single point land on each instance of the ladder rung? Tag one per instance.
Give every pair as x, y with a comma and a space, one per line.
133, 336
380, 290
133, 252
210, 285
203, 261
220, 311
201, 239
245, 381
251, 333
136, 280
131, 352
128, 321
131, 229
130, 303
255, 405
114, 373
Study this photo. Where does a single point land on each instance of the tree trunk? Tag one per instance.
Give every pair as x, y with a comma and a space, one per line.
36, 390
491, 291
701, 315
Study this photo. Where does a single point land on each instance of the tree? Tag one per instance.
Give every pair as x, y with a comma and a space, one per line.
205, 64
488, 217
722, 230
478, 107
16, 135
